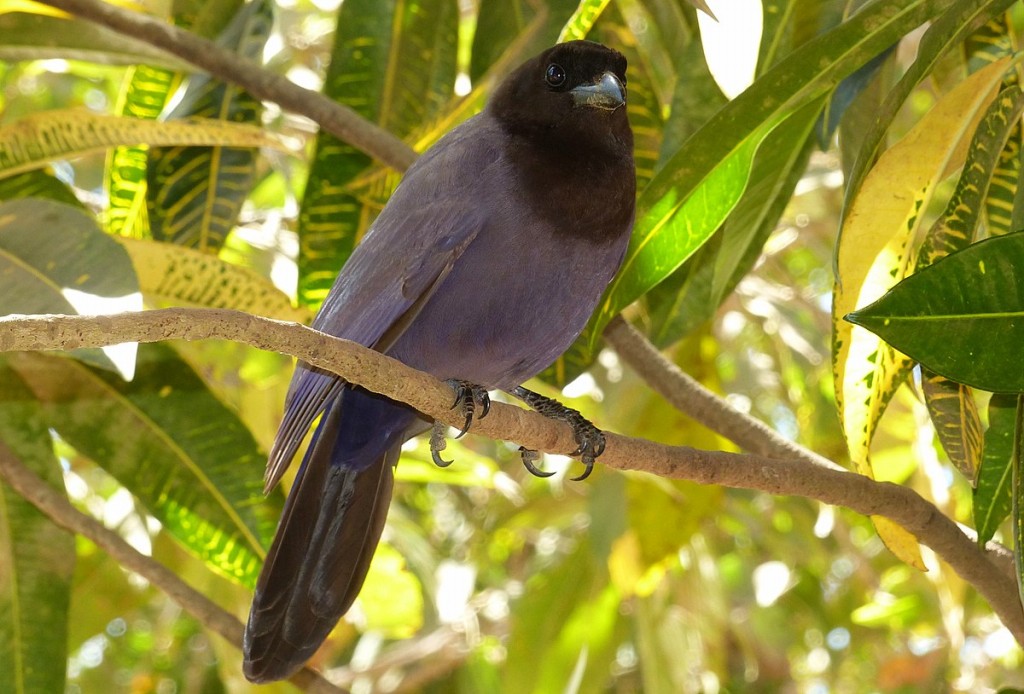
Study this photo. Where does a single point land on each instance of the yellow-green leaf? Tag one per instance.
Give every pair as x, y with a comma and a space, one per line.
873, 256
145, 92
957, 422
175, 274
33, 141
951, 405
582, 20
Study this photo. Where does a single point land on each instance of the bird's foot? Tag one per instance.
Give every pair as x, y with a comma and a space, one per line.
589, 439
468, 396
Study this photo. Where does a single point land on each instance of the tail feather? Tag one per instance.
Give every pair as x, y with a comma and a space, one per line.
330, 527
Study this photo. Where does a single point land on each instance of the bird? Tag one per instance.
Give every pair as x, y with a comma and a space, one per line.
482, 269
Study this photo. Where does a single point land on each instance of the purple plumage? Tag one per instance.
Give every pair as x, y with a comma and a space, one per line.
484, 266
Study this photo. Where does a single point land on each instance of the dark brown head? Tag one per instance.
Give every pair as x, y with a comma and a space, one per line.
573, 90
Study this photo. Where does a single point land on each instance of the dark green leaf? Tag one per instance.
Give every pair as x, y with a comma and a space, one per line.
497, 24
501, 23
789, 24
394, 64
992, 496
954, 415
37, 183
962, 317
1018, 497
956, 228
194, 194
173, 444
37, 558
47, 248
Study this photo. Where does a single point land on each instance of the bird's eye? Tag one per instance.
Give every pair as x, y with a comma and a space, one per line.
555, 75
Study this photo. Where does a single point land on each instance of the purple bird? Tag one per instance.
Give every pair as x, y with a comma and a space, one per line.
482, 269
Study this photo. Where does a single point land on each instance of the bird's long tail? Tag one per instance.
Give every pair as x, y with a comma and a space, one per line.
330, 527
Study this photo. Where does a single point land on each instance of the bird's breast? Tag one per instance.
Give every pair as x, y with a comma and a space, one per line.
513, 302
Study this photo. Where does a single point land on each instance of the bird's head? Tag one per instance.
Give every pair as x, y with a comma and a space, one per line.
574, 89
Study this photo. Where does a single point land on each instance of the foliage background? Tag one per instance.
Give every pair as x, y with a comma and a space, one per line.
625, 583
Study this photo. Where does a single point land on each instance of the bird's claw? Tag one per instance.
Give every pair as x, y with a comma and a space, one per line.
438, 444
591, 443
589, 439
530, 456
467, 397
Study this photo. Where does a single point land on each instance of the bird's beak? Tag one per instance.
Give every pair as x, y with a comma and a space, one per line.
607, 93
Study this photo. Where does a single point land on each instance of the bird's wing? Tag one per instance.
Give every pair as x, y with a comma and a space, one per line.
412, 246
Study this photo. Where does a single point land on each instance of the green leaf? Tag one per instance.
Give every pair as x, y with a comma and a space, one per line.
37, 558
74, 255
498, 23
962, 317
173, 444
989, 43
33, 141
702, 183
146, 91
1018, 497
993, 498
394, 64
179, 275
37, 184
29, 36
954, 415
502, 24
694, 292
674, 224
696, 97
194, 194
582, 20
548, 615
956, 228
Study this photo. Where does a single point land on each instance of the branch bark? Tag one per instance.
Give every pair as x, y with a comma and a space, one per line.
795, 476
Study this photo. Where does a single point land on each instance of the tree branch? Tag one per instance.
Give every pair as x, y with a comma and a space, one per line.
333, 117
381, 374
57, 508
697, 402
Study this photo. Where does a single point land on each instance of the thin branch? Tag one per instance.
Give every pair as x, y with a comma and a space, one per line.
691, 398
697, 402
333, 117
381, 374
57, 508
